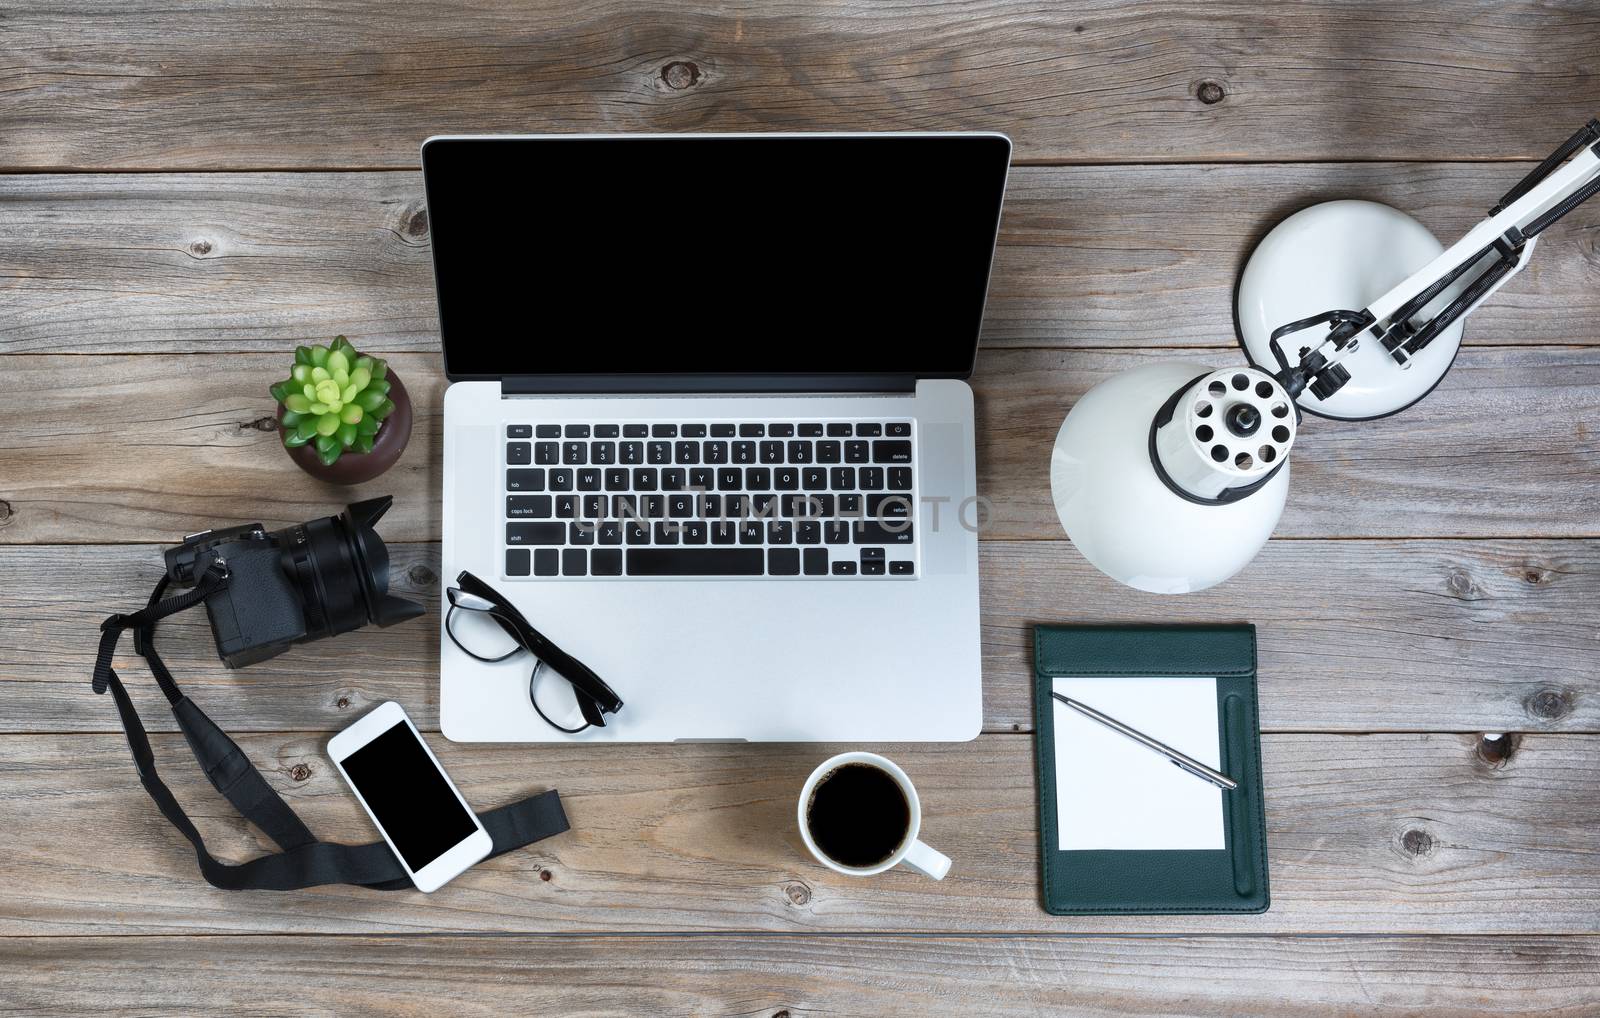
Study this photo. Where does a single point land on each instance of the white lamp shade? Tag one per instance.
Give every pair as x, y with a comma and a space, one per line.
1123, 517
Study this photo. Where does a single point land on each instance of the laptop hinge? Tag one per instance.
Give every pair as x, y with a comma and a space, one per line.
544, 385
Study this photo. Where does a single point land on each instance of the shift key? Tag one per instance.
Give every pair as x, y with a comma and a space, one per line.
536, 533
886, 532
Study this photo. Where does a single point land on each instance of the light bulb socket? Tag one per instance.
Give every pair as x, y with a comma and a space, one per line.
1222, 436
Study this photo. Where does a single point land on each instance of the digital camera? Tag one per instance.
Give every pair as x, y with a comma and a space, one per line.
295, 585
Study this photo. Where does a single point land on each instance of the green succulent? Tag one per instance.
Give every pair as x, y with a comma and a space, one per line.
335, 398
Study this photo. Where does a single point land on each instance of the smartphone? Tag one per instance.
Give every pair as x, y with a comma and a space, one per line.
407, 794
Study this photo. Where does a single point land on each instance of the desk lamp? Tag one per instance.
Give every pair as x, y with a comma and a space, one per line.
1170, 477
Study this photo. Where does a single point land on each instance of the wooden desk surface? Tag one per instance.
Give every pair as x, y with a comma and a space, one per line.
185, 193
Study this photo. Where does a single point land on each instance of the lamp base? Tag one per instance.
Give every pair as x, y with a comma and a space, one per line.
1344, 255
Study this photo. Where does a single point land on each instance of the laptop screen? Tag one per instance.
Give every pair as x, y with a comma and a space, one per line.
713, 255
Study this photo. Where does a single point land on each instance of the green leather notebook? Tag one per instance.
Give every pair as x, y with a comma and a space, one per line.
1128, 832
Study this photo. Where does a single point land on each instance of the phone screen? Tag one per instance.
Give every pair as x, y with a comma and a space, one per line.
409, 796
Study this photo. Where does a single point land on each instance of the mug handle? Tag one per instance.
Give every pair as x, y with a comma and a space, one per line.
927, 861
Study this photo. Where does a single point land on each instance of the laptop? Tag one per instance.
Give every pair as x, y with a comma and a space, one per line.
708, 427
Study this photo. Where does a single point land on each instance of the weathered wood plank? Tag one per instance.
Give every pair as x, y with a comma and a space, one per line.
1378, 833
1127, 977
1129, 256
120, 449
112, 84
1354, 636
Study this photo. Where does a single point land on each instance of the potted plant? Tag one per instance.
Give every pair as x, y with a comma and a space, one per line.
343, 416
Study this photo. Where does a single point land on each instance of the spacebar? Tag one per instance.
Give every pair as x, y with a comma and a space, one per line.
695, 562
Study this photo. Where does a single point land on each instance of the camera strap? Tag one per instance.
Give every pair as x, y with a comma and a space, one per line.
304, 861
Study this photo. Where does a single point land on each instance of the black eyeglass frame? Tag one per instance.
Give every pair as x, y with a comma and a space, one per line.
595, 698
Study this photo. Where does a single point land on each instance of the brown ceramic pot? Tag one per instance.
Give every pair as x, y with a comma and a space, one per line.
356, 467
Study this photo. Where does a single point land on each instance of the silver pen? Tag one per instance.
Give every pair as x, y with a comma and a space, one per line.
1181, 760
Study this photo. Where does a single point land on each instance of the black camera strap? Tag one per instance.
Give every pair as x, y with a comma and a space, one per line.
304, 861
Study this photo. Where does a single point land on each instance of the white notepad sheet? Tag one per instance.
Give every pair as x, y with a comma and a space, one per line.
1112, 792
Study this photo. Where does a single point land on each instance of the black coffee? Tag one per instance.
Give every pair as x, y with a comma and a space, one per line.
858, 815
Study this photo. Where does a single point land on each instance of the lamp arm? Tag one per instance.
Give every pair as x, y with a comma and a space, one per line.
1485, 259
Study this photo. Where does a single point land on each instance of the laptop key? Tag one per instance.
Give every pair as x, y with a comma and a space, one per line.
856, 452
810, 431
574, 562
897, 429
567, 507
829, 452
603, 453
800, 452
694, 532
517, 561
695, 561
561, 479
752, 532
724, 532
548, 431
871, 478
757, 478
631, 453
546, 453
606, 431
609, 532
869, 430
667, 533
891, 451
580, 533
783, 562
716, 452
889, 507
839, 430
902, 567
536, 533
842, 478
594, 507
780, 430
526, 479
617, 479
808, 532
606, 562
780, 532
874, 532
772, 452
577, 431
692, 430
900, 478
844, 569
546, 562
874, 568
574, 453
518, 453
730, 479
674, 479
589, 479
752, 430
836, 532
744, 453
814, 478
815, 560
722, 431
519, 431
703, 478
636, 533
531, 506
644, 479
687, 452
658, 453
635, 431
663, 431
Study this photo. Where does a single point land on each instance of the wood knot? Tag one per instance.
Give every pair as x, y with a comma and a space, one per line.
1210, 92
798, 893
680, 74
421, 576
781, 1014
1536, 575
1416, 842
416, 224
1460, 584
5, 511
1548, 704
300, 772
200, 248
343, 703
545, 875
1495, 749
268, 423
1077, 29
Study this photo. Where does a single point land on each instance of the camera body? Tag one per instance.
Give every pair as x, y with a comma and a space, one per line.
295, 585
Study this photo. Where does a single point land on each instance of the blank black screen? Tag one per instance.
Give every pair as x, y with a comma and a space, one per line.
686, 255
410, 797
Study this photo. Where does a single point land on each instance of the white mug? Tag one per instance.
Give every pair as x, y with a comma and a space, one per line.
912, 852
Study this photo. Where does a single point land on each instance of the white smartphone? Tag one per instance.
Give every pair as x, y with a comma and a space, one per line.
407, 794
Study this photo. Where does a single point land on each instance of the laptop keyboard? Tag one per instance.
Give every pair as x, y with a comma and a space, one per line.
813, 498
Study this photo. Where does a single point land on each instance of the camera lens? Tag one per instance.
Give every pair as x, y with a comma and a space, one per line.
341, 568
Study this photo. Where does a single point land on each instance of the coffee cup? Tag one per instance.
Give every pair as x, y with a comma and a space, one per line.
859, 815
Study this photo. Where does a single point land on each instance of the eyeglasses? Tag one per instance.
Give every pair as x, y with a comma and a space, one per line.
490, 629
